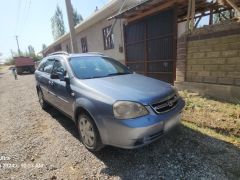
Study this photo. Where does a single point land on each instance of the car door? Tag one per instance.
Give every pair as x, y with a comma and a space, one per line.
44, 80
63, 99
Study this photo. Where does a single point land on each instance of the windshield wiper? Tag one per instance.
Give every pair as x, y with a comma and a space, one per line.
112, 74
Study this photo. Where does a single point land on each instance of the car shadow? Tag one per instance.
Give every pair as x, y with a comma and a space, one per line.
25, 74
182, 153
65, 121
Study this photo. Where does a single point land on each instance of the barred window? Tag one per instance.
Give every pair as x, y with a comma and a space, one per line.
108, 40
84, 44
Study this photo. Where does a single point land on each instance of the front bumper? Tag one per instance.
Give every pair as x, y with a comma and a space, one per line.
134, 133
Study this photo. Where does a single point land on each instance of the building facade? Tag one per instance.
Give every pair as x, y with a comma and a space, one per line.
150, 37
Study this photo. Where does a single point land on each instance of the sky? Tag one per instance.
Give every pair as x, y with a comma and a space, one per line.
30, 20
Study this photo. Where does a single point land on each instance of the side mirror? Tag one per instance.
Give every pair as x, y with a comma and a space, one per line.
59, 75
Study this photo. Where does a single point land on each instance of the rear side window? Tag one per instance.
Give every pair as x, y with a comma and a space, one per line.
48, 66
42, 64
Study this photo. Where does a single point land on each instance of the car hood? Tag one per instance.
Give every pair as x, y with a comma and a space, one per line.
132, 87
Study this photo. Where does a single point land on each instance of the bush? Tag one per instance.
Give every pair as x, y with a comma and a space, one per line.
10, 61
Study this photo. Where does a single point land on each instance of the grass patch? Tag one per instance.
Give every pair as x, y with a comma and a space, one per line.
209, 132
221, 117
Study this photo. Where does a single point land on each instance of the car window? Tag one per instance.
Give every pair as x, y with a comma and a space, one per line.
48, 66
42, 64
58, 67
96, 66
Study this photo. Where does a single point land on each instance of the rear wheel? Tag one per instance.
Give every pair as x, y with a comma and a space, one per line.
32, 69
89, 133
41, 100
19, 71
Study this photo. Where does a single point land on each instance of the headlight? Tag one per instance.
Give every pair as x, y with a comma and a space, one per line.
128, 110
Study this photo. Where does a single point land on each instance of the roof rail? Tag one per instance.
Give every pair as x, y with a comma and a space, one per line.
96, 53
58, 52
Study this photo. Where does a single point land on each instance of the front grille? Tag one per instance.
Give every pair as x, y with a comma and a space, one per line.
166, 104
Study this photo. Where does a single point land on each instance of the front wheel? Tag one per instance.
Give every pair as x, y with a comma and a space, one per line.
89, 133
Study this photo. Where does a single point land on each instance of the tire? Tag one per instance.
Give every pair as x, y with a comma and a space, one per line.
19, 71
42, 102
88, 133
32, 70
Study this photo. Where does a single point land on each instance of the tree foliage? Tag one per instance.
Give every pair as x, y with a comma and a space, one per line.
77, 18
57, 24
44, 46
9, 61
220, 17
31, 50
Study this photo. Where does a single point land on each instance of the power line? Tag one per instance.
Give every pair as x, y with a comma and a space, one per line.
27, 8
18, 14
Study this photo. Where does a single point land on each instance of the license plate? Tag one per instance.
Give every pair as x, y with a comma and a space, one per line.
172, 122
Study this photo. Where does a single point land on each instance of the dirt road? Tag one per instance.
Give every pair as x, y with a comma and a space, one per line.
35, 144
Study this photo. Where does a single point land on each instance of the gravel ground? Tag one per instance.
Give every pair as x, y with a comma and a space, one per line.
35, 144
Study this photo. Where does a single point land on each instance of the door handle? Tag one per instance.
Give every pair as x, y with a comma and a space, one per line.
51, 83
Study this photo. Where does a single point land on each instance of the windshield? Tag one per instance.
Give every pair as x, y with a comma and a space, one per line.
87, 67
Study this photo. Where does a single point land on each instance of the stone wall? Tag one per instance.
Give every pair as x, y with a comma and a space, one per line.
214, 58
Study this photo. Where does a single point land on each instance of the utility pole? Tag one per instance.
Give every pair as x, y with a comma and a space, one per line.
19, 52
71, 26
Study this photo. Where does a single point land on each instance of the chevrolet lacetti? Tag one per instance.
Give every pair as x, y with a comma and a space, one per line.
110, 104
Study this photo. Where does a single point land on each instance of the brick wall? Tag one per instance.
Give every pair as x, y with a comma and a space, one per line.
214, 59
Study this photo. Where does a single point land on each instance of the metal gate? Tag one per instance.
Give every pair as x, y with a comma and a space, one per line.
151, 46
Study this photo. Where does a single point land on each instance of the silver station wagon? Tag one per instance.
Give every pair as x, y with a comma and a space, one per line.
110, 104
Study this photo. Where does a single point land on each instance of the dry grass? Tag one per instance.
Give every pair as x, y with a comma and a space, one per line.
4, 69
221, 117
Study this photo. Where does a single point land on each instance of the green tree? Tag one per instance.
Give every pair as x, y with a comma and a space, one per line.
223, 16
77, 18
44, 46
9, 61
31, 50
57, 24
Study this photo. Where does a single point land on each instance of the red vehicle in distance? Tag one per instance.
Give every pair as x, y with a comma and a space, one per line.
24, 64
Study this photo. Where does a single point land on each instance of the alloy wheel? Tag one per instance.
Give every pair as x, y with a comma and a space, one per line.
87, 131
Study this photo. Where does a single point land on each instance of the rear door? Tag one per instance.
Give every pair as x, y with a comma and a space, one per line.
43, 78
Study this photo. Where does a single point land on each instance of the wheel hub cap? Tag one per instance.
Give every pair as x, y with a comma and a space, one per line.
87, 132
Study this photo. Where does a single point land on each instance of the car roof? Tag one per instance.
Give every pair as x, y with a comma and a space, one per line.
86, 54
64, 54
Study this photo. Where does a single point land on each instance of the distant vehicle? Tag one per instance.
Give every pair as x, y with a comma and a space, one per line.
24, 64
110, 104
